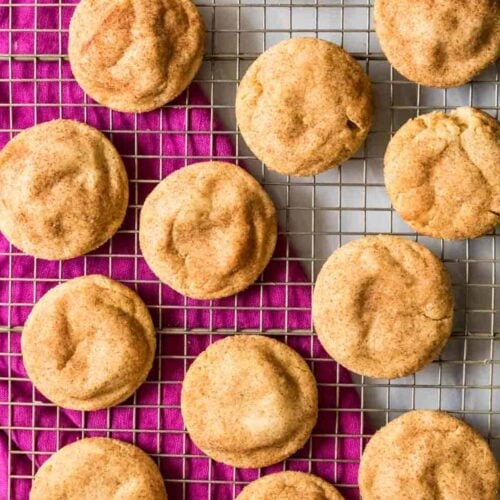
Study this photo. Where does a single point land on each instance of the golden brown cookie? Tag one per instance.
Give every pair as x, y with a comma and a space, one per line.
442, 172
439, 43
290, 485
63, 190
428, 454
249, 401
135, 55
208, 230
304, 106
88, 343
99, 468
383, 306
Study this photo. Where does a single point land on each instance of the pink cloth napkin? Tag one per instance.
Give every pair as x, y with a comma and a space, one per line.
31, 429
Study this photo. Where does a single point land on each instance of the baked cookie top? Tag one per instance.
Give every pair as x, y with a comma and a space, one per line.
63, 190
135, 55
383, 306
88, 343
208, 230
99, 468
304, 106
249, 401
442, 173
439, 43
427, 454
290, 485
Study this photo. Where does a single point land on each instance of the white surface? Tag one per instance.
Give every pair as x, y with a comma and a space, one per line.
342, 204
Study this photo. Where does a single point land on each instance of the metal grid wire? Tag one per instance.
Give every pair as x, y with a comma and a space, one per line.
317, 215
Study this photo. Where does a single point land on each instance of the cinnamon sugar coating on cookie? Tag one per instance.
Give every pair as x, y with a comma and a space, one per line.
428, 454
63, 190
439, 43
208, 230
442, 172
383, 306
249, 401
304, 106
290, 485
99, 469
135, 55
88, 343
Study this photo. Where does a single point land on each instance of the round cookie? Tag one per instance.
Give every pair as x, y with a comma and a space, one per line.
63, 190
383, 306
439, 43
290, 485
442, 172
95, 468
304, 106
88, 343
208, 230
249, 401
427, 454
135, 55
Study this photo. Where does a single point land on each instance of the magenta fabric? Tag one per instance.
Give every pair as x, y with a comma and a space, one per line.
152, 145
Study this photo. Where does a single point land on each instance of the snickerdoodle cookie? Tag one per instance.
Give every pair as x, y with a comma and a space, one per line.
290, 485
383, 306
249, 401
428, 454
88, 343
439, 43
63, 190
442, 172
99, 469
208, 230
304, 106
135, 55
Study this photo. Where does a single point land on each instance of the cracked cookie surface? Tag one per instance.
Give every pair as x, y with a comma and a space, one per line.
427, 454
249, 401
442, 173
439, 43
383, 306
304, 106
290, 485
135, 55
208, 230
99, 468
88, 343
63, 190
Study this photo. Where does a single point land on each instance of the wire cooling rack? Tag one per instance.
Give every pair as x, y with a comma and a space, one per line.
317, 215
